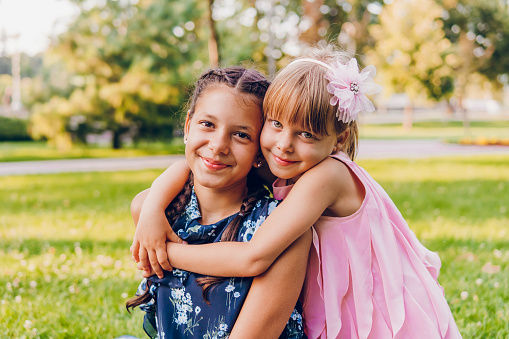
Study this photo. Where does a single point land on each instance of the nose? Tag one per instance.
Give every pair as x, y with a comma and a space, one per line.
219, 143
284, 142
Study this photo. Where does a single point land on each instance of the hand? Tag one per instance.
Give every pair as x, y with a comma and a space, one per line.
149, 242
146, 272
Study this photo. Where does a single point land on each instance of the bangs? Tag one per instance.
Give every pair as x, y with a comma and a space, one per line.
299, 97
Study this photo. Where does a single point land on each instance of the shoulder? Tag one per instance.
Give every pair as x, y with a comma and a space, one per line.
264, 206
336, 184
253, 220
330, 172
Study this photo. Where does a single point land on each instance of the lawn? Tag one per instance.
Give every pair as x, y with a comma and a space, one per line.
36, 150
446, 130
65, 269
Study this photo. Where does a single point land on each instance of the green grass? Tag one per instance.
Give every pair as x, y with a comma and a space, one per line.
65, 268
24, 151
447, 130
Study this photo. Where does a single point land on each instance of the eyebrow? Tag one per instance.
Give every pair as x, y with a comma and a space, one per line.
246, 128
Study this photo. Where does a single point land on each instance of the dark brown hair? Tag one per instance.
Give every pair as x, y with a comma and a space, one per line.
252, 86
299, 95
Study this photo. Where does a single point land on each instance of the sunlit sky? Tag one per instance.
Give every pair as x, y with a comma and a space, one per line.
35, 21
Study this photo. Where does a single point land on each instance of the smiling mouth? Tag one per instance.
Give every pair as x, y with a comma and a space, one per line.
214, 165
283, 162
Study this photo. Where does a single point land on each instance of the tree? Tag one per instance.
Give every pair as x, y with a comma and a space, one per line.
127, 63
411, 51
479, 31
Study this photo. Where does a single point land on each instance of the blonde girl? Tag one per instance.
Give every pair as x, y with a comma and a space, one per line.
367, 276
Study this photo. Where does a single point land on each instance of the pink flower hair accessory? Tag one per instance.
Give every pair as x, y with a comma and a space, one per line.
349, 88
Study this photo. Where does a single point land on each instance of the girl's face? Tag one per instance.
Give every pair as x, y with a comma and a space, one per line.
223, 138
291, 150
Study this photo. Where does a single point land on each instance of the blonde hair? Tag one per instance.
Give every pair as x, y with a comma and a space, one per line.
299, 95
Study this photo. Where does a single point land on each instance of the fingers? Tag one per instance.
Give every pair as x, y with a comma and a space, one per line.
145, 272
135, 248
162, 258
171, 236
154, 262
143, 261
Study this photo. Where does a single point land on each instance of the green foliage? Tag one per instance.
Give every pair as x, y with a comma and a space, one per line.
411, 49
480, 30
12, 129
30, 66
127, 63
66, 270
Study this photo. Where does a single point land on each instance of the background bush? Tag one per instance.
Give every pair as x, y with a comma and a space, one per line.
12, 129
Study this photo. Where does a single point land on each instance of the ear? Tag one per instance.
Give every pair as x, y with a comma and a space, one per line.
186, 125
341, 139
259, 160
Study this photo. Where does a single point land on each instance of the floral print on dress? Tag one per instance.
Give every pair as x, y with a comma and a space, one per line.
178, 309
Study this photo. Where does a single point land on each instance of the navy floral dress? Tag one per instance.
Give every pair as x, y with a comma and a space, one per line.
178, 310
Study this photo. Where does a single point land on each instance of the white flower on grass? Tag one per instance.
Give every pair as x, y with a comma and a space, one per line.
17, 299
124, 295
33, 284
478, 281
27, 324
229, 288
464, 295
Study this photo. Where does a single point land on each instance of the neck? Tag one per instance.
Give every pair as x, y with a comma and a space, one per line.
219, 203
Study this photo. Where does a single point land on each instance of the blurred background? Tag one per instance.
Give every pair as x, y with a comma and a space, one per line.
116, 73
101, 81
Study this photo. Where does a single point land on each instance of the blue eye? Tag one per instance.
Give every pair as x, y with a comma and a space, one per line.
277, 124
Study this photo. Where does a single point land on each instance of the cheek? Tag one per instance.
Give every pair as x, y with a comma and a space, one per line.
266, 138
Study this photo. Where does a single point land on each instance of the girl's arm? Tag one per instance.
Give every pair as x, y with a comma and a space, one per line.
152, 227
314, 192
273, 295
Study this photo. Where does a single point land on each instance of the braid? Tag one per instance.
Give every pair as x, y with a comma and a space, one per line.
256, 191
178, 205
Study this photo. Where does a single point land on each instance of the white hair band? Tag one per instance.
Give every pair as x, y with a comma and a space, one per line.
318, 62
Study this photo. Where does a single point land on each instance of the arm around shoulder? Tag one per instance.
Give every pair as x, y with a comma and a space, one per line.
292, 218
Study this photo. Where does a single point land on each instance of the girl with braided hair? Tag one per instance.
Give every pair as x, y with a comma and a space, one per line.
368, 276
222, 200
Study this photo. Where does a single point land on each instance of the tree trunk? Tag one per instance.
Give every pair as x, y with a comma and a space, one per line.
408, 117
116, 143
312, 13
213, 40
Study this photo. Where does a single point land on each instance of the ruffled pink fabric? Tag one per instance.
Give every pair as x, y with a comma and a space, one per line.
369, 277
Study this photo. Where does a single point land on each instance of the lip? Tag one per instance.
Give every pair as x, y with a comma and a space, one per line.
283, 162
213, 165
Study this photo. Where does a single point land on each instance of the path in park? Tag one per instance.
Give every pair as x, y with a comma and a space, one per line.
368, 149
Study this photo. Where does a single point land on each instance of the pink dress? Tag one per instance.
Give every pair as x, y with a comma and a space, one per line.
369, 277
